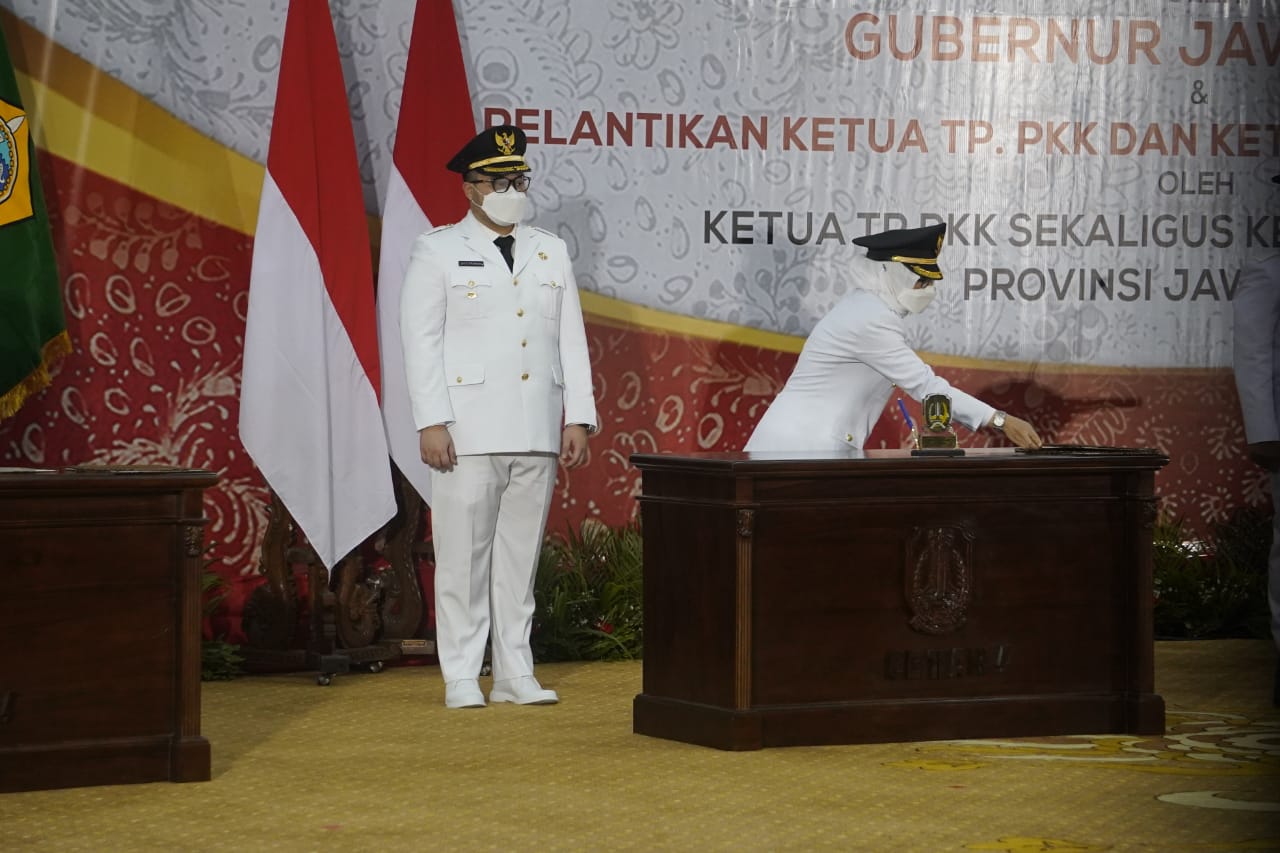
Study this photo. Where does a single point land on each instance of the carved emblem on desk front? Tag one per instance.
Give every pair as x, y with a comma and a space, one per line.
193, 539
746, 522
939, 577
1149, 513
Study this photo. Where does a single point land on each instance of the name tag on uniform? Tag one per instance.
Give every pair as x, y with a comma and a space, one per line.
470, 263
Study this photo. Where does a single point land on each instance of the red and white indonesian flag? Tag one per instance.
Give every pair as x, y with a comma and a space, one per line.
308, 400
436, 120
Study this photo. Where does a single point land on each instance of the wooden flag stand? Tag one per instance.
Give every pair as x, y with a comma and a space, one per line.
361, 616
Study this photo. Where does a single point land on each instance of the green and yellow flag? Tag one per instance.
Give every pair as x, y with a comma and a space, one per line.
33, 330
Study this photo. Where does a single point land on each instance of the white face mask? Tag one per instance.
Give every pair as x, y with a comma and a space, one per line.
896, 286
506, 208
915, 301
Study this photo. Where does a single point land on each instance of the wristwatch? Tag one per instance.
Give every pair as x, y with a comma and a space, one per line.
997, 420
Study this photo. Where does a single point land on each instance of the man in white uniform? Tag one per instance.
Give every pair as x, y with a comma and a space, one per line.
858, 352
496, 361
1256, 307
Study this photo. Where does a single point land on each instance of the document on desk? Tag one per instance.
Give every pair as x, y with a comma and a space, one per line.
1052, 449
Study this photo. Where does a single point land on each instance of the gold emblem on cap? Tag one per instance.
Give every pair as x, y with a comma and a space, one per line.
506, 142
542, 256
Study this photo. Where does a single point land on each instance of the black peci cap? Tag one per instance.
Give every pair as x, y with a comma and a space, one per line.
493, 151
918, 248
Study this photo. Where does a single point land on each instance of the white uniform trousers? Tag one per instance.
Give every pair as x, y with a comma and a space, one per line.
487, 518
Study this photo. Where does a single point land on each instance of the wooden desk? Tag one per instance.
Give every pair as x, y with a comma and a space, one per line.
896, 598
100, 628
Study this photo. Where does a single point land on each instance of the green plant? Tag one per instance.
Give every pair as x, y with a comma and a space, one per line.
219, 660
1215, 587
588, 595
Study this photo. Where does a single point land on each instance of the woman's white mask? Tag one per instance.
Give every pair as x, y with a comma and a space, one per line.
506, 208
896, 286
915, 300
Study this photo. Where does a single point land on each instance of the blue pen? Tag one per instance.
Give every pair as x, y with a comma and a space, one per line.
910, 425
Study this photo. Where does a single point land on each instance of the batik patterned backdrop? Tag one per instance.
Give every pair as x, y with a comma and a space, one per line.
153, 118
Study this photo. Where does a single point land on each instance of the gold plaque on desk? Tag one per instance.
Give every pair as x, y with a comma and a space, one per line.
937, 433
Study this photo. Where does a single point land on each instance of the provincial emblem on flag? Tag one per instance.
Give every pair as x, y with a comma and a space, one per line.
15, 183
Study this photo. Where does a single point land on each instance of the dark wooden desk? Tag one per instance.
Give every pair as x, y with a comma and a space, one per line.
895, 598
100, 628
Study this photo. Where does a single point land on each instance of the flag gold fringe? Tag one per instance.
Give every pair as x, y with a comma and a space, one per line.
39, 378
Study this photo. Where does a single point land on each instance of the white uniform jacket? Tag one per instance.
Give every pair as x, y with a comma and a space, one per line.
844, 376
1256, 309
498, 356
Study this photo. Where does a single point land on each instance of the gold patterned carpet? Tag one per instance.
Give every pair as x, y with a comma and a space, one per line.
375, 762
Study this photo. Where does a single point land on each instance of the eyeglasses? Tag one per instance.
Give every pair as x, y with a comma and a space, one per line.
501, 185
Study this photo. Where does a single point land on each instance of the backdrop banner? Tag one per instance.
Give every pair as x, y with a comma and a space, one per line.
1104, 170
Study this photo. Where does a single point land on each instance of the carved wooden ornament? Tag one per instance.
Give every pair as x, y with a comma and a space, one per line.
939, 577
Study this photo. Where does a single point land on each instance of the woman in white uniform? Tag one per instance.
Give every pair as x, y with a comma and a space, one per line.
858, 352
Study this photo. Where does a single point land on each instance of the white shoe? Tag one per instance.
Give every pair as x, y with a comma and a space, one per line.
463, 693
524, 690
